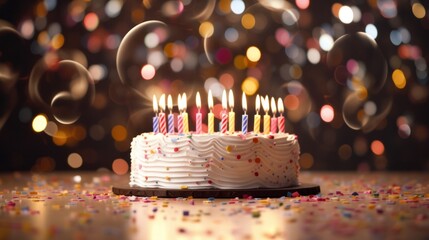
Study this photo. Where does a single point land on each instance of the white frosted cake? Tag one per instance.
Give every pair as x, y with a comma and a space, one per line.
223, 161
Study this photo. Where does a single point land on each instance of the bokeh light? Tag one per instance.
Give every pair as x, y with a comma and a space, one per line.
39, 123
74, 160
327, 113
377, 147
120, 166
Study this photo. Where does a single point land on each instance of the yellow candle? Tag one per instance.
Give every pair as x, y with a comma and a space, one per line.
267, 118
185, 114
210, 115
231, 115
257, 120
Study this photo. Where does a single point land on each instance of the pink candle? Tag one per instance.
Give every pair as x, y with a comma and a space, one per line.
162, 123
180, 117
199, 118
273, 119
281, 119
224, 121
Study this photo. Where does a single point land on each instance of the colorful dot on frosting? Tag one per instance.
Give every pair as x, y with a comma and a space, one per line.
238, 157
152, 151
210, 182
167, 178
256, 174
167, 168
255, 140
257, 160
271, 137
176, 149
228, 148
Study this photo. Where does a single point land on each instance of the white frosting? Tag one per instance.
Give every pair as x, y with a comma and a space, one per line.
217, 160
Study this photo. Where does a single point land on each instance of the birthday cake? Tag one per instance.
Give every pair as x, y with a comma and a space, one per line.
219, 161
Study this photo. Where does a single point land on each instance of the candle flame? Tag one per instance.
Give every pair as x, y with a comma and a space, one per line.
198, 100
179, 102
231, 99
162, 102
170, 102
265, 104
258, 103
184, 102
280, 105
224, 102
273, 106
244, 102
155, 104
210, 100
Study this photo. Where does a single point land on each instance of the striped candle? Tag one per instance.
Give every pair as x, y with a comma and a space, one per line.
267, 118
179, 117
257, 120
224, 116
244, 117
199, 118
273, 119
281, 119
170, 115
185, 114
161, 116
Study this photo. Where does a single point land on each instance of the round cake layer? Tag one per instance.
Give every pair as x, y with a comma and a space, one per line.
223, 161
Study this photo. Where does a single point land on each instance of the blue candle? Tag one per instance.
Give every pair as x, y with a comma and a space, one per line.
244, 117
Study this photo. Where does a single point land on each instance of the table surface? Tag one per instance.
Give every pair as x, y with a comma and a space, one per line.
81, 205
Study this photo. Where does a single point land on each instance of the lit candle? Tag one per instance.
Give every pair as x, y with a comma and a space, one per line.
231, 115
257, 120
265, 105
170, 115
180, 117
244, 117
155, 122
281, 119
273, 119
211, 115
199, 118
224, 121
185, 114
161, 116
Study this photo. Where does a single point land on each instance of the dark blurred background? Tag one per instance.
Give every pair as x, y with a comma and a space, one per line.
352, 75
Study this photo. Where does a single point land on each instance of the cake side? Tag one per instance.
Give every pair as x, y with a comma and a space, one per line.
223, 161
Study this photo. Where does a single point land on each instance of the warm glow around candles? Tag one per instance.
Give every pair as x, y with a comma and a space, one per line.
198, 101
170, 103
273, 107
231, 115
162, 102
210, 115
244, 102
155, 104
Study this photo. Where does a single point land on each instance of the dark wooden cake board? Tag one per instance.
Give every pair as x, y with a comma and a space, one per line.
303, 189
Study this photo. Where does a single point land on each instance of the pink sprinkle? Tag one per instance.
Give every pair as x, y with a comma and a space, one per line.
295, 194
